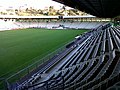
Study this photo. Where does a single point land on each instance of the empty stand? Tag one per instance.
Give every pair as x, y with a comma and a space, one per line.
93, 64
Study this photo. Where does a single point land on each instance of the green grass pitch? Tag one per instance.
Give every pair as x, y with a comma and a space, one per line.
19, 48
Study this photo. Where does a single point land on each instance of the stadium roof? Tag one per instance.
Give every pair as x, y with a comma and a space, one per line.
42, 17
99, 8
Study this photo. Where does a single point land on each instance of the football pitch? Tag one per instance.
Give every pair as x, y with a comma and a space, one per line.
20, 48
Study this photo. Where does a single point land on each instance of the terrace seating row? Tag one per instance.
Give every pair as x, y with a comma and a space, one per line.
52, 24
109, 70
108, 66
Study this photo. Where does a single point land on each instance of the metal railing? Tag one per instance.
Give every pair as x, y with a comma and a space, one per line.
14, 78
58, 84
2, 84
24, 72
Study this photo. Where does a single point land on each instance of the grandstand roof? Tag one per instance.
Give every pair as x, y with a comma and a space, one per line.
42, 17
99, 8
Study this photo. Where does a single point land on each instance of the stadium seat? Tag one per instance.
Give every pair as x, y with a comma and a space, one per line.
92, 65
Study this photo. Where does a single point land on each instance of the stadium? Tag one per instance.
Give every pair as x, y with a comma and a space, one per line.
62, 52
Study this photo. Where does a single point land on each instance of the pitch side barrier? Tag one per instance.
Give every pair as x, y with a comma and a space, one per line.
36, 64
25, 87
26, 73
22, 85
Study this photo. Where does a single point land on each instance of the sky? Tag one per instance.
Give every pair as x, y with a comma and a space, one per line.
39, 4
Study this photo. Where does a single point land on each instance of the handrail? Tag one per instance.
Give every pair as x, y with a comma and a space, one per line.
44, 59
